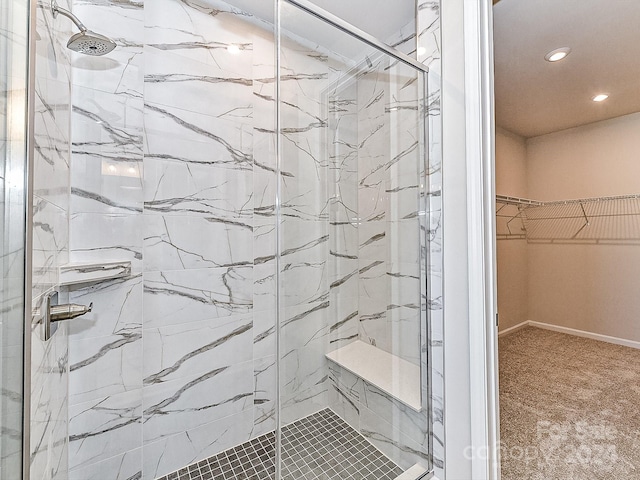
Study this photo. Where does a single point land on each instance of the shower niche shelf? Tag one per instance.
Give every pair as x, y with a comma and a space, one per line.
74, 273
391, 374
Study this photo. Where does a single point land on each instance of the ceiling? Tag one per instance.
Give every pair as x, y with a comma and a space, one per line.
380, 18
535, 97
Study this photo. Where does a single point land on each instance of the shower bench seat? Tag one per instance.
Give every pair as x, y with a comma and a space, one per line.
390, 373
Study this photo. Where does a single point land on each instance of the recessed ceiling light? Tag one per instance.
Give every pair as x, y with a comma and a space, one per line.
600, 98
557, 54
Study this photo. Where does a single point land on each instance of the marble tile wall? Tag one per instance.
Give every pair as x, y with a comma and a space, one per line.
304, 278
49, 369
377, 210
106, 224
177, 362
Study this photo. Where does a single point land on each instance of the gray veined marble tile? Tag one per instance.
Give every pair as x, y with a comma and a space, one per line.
228, 140
102, 366
170, 244
304, 283
391, 440
51, 141
121, 71
174, 452
186, 403
177, 81
125, 466
233, 152
50, 244
345, 393
265, 393
303, 367
200, 31
117, 307
264, 290
344, 320
103, 428
182, 296
112, 237
179, 351
219, 189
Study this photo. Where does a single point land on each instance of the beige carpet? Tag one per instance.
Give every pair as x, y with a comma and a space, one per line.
570, 408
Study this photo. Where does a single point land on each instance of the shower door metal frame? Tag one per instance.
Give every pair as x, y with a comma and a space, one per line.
28, 254
423, 70
354, 31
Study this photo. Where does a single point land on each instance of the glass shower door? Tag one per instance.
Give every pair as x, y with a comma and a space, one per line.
353, 357
13, 165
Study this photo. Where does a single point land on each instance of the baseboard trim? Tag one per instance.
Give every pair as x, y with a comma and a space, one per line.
514, 329
572, 331
581, 333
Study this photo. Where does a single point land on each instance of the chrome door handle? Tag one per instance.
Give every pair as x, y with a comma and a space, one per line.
68, 311
52, 313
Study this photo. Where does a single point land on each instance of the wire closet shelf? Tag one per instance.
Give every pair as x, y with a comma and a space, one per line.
606, 220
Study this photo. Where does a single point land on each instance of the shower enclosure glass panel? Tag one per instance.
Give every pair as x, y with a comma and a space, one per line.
353, 383
13, 163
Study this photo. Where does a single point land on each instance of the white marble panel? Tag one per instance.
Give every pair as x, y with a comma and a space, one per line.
51, 141
390, 440
103, 428
303, 366
264, 289
344, 276
107, 237
343, 320
50, 244
227, 143
117, 308
177, 242
49, 404
106, 176
222, 192
121, 71
174, 80
174, 452
125, 466
178, 351
404, 240
183, 404
201, 31
182, 296
103, 366
169, 137
374, 298
413, 424
303, 283
373, 242
345, 392
265, 395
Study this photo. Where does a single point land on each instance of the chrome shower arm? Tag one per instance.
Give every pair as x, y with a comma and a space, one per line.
58, 10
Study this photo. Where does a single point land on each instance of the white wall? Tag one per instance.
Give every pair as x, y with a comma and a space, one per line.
511, 179
587, 287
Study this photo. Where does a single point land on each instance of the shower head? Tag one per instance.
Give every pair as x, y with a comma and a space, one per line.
91, 43
87, 42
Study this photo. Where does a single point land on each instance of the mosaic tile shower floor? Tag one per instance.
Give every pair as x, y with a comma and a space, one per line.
321, 446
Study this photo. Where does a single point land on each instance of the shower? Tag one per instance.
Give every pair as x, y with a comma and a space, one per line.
86, 41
